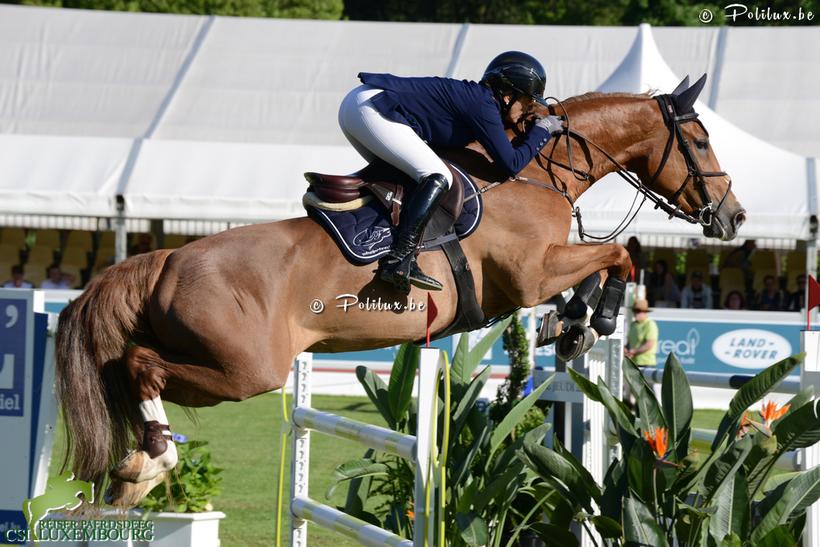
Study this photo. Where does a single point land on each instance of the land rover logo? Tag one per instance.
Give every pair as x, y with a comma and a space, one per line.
751, 348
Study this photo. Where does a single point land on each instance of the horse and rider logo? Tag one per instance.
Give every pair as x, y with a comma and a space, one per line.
62, 493
371, 237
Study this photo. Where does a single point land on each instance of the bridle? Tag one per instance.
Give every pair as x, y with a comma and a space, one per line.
703, 216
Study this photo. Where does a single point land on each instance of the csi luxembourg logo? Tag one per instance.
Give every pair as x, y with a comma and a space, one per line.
62, 493
751, 348
684, 349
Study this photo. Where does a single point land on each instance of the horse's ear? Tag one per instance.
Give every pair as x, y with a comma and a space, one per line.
686, 99
681, 86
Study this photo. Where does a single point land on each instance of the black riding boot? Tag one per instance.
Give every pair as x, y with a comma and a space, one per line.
399, 267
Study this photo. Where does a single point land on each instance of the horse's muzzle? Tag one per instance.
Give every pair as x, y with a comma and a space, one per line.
725, 224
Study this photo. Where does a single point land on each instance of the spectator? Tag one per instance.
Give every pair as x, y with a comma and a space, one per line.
662, 291
642, 341
797, 299
770, 298
17, 281
734, 301
633, 247
741, 257
57, 279
696, 294
142, 245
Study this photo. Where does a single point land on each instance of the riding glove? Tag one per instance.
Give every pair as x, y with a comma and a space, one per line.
552, 124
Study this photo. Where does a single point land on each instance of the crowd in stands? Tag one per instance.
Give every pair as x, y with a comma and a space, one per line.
663, 292
55, 279
667, 290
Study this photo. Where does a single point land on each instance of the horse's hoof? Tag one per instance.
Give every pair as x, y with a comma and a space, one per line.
138, 466
575, 342
552, 326
128, 494
604, 325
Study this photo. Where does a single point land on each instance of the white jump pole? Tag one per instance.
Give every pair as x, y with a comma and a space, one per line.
421, 450
300, 460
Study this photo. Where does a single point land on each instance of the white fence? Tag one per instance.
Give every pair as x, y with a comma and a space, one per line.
420, 450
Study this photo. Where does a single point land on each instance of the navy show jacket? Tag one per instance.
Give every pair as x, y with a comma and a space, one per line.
452, 113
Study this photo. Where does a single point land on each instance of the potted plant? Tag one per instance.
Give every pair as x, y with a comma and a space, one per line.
181, 507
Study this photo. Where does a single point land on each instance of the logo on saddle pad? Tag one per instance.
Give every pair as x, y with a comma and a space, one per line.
371, 237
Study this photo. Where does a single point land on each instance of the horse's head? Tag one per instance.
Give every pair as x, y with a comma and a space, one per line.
683, 168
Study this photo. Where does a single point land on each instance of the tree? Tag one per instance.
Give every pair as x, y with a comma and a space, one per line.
292, 9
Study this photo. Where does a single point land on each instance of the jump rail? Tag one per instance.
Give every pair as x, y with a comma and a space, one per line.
723, 381
420, 450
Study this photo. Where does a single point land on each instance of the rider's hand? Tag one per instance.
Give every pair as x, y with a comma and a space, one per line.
552, 124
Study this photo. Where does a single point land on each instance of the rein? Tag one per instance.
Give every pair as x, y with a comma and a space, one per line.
703, 216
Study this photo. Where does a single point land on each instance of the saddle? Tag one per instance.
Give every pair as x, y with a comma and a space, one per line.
360, 212
389, 186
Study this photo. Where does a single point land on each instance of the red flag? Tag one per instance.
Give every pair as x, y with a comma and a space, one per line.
814, 294
432, 313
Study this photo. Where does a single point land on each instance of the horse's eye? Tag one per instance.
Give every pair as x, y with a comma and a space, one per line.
702, 143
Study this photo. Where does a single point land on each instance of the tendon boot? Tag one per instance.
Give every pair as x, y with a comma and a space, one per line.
399, 267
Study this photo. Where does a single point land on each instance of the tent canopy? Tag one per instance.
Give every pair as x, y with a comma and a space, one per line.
215, 118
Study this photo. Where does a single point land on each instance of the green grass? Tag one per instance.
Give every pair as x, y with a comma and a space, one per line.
245, 441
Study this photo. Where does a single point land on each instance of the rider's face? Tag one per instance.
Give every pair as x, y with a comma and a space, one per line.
521, 107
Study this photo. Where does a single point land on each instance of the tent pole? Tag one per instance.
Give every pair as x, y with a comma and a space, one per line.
120, 232
811, 257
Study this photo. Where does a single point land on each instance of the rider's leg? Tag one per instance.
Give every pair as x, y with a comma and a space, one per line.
399, 266
400, 146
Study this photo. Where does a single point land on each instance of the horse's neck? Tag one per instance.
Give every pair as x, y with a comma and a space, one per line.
619, 125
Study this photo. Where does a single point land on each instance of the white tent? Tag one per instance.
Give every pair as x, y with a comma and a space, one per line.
215, 118
771, 183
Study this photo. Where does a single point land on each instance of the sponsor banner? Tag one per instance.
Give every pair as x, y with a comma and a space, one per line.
27, 409
721, 341
727, 342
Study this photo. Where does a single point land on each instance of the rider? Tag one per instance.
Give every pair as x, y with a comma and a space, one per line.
401, 120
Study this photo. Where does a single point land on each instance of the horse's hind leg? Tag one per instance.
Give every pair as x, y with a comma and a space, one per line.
157, 452
153, 373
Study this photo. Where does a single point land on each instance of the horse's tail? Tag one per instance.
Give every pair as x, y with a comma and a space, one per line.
99, 414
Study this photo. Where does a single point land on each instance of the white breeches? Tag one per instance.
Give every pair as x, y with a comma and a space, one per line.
374, 136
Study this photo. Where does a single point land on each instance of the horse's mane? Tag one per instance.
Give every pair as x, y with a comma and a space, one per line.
600, 95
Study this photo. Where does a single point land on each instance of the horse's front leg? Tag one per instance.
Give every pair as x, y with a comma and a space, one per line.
567, 265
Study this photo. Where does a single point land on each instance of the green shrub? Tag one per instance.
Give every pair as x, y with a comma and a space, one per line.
191, 485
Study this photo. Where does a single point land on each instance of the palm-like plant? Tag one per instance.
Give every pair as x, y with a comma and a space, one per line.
483, 475
661, 493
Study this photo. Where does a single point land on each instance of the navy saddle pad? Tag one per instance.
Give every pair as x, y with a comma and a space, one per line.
365, 234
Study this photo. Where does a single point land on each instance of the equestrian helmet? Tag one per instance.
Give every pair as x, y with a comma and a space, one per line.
517, 72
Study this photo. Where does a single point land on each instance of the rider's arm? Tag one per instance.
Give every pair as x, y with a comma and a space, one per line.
489, 131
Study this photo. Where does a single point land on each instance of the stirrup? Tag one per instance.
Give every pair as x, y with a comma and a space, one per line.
421, 280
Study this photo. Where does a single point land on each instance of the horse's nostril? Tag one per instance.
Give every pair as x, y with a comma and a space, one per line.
739, 219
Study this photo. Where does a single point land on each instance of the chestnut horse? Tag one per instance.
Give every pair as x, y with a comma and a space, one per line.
222, 318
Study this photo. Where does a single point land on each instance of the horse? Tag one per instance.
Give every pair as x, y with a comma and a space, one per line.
222, 318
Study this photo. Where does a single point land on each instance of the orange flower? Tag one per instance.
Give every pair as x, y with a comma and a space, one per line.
410, 514
745, 424
769, 412
658, 442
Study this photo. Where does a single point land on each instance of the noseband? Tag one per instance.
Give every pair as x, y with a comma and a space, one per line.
703, 216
